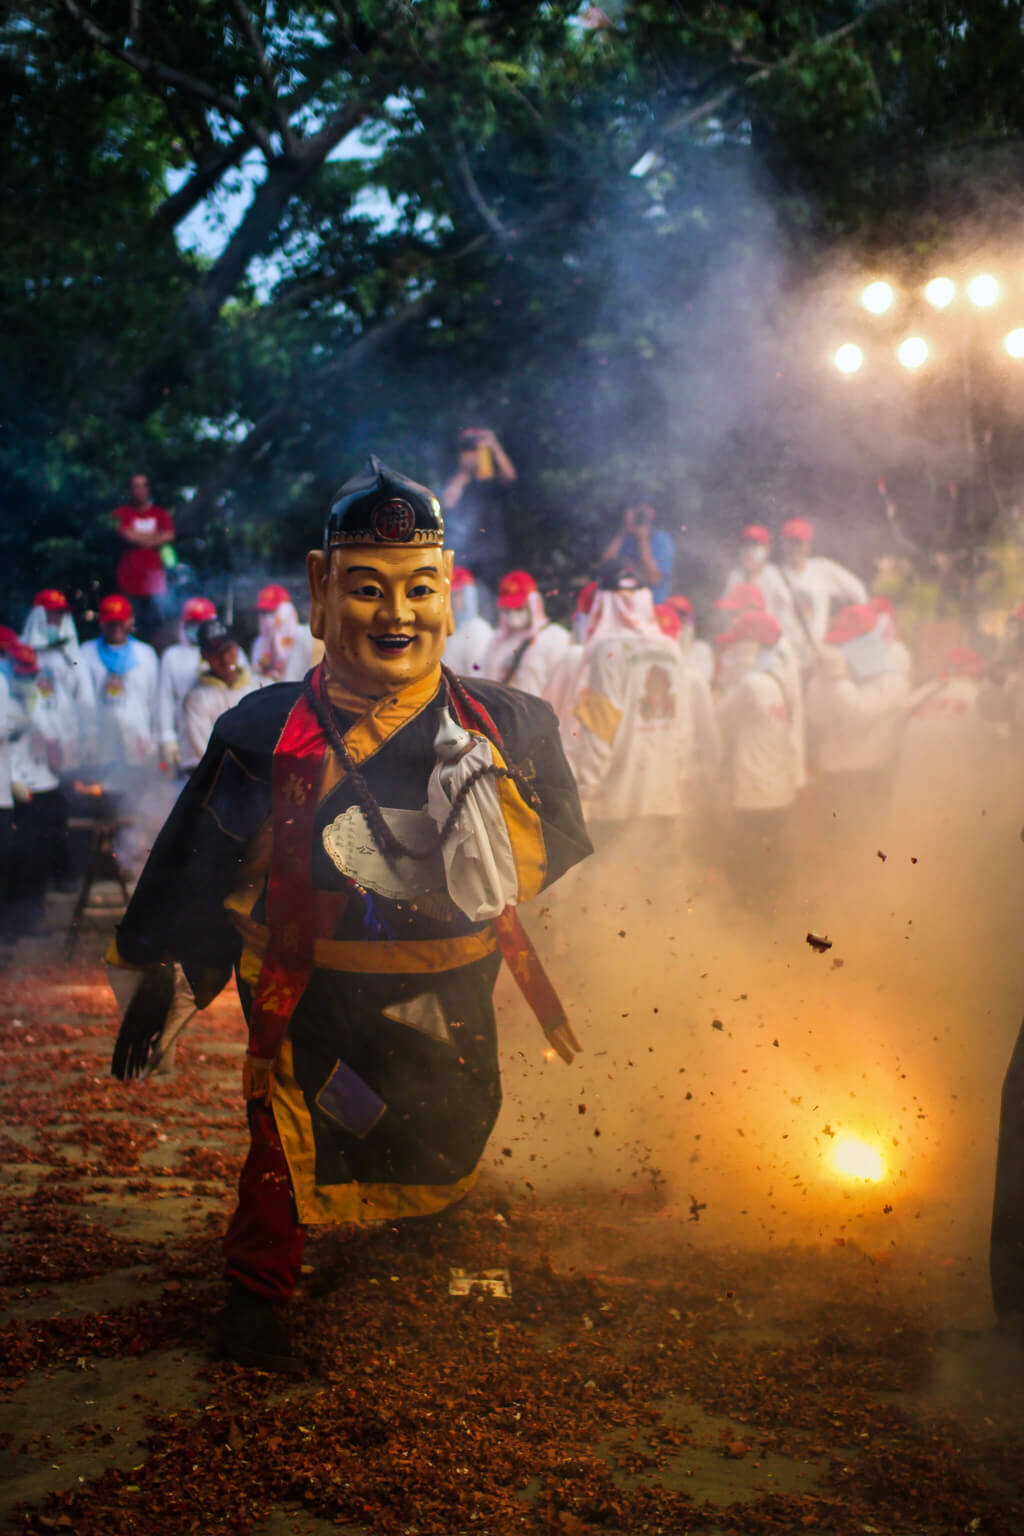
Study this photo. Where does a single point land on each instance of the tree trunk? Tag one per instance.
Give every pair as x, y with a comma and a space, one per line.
173, 360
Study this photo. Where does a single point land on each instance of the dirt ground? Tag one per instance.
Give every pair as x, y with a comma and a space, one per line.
643, 1376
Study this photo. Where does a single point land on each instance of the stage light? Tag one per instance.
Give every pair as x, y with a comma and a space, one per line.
912, 352
877, 297
848, 358
983, 290
940, 292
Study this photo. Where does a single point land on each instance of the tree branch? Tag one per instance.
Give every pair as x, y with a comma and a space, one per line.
315, 384
199, 185
171, 360
713, 103
343, 21
266, 72
366, 346
153, 69
476, 197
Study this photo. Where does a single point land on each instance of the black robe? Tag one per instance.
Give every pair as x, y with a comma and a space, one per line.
387, 1084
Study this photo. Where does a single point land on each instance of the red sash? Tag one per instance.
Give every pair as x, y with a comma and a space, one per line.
297, 915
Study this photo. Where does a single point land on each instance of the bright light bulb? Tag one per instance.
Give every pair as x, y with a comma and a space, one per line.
857, 1160
940, 292
1014, 343
913, 352
848, 357
983, 290
877, 297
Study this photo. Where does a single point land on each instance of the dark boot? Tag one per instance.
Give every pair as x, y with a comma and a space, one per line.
250, 1331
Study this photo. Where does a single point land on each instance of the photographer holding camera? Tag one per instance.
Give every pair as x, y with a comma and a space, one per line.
474, 517
647, 550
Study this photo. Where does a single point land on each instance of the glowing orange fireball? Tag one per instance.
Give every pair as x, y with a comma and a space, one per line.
858, 1160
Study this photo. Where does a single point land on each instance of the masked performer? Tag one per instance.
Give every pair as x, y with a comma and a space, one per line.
472, 633
283, 652
354, 846
179, 673
123, 673
51, 633
526, 646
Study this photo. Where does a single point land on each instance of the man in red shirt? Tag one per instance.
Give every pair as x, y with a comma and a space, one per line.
144, 528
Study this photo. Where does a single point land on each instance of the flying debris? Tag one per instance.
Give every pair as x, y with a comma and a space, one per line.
819, 941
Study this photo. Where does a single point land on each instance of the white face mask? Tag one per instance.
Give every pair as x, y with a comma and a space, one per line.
52, 634
753, 558
737, 661
517, 618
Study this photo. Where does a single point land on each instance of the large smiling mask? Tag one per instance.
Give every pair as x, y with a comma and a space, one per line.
381, 584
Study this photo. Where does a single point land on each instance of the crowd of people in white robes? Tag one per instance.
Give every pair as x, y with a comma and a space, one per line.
792, 714
91, 724
800, 695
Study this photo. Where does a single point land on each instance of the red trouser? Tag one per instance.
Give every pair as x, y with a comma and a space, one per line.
264, 1242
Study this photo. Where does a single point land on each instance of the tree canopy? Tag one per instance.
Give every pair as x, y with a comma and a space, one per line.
604, 233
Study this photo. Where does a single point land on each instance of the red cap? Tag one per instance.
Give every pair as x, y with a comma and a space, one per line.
668, 619
753, 533
271, 598
585, 601
116, 609
859, 619
462, 578
798, 529
745, 597
761, 627
197, 609
8, 638
962, 661
514, 588
682, 605
50, 599
26, 663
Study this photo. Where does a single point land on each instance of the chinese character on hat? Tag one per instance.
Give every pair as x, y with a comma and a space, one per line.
380, 506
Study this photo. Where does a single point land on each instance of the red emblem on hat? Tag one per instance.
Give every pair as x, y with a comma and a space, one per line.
394, 521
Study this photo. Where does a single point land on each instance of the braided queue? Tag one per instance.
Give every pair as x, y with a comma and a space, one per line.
389, 844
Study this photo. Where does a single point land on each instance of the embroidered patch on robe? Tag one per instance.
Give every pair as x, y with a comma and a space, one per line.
350, 1101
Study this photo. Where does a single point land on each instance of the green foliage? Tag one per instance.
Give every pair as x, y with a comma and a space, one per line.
561, 299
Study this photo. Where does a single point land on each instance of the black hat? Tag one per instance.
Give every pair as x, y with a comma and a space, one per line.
618, 576
212, 636
381, 506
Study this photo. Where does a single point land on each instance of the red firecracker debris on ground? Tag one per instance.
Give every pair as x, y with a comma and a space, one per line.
689, 1389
